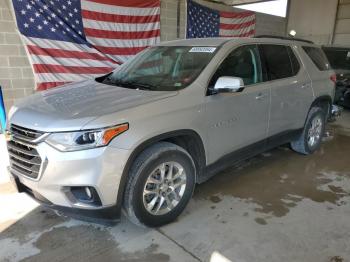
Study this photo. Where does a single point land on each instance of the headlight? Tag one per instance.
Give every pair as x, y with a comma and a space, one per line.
72, 141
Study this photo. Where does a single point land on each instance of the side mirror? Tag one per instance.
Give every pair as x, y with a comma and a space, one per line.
228, 84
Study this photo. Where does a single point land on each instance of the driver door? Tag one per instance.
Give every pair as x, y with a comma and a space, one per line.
237, 120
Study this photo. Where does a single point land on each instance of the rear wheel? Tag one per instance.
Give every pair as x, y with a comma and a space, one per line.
160, 185
311, 138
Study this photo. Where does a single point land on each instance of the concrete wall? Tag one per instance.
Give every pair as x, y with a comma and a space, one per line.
270, 25
313, 19
16, 76
342, 25
324, 22
168, 19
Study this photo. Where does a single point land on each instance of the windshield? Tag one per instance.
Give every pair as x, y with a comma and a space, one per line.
162, 68
339, 58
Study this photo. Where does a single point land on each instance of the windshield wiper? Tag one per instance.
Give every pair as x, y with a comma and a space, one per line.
129, 84
142, 86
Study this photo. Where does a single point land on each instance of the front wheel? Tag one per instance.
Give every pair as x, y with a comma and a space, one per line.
311, 138
161, 182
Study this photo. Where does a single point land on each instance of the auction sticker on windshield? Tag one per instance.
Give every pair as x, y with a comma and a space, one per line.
202, 49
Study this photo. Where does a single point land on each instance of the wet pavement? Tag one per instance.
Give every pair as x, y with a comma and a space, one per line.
278, 206
277, 180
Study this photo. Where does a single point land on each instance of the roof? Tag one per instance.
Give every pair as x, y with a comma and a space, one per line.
217, 41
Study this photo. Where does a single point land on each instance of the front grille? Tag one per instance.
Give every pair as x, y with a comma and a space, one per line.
24, 157
25, 134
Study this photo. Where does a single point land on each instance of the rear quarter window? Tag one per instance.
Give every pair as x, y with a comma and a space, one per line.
318, 57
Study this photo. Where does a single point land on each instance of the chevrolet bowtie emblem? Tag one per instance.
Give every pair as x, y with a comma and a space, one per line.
8, 135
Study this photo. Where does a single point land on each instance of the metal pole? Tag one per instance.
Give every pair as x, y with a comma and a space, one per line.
331, 40
287, 18
178, 19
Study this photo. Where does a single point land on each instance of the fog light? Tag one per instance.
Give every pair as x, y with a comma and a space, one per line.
83, 195
88, 192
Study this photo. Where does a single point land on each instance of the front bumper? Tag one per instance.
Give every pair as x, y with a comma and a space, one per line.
104, 215
99, 168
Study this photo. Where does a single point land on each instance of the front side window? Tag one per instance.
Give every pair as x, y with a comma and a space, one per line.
294, 61
162, 68
279, 61
318, 57
243, 62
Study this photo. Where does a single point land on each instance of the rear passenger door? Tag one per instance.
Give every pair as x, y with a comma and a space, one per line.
291, 92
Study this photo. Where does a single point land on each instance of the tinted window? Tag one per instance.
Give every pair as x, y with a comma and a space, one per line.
339, 58
294, 61
278, 61
318, 57
243, 62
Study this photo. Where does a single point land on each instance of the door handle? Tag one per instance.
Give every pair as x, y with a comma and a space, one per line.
305, 86
260, 96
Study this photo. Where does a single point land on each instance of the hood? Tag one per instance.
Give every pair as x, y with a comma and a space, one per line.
71, 106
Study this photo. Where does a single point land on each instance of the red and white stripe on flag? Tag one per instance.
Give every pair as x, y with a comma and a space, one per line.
120, 29
237, 24
73, 40
57, 62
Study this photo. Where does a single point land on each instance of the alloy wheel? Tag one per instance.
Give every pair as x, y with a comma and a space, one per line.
315, 131
164, 188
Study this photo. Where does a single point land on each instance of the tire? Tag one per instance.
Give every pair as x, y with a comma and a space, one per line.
155, 160
302, 145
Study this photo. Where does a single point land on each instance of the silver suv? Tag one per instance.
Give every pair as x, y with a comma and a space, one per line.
141, 137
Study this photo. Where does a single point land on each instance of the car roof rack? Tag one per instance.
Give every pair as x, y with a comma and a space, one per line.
285, 38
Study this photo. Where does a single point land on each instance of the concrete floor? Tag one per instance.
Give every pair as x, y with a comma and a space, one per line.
279, 206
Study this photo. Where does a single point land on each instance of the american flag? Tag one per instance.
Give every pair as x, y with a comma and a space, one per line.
72, 40
206, 22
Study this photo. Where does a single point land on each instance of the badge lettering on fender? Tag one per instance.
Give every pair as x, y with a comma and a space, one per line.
225, 123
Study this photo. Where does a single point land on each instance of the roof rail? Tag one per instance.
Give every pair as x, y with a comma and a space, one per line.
285, 38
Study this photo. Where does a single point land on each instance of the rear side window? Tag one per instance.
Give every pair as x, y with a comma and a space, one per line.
318, 57
280, 61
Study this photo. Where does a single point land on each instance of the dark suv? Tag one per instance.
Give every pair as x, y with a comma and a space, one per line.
339, 59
